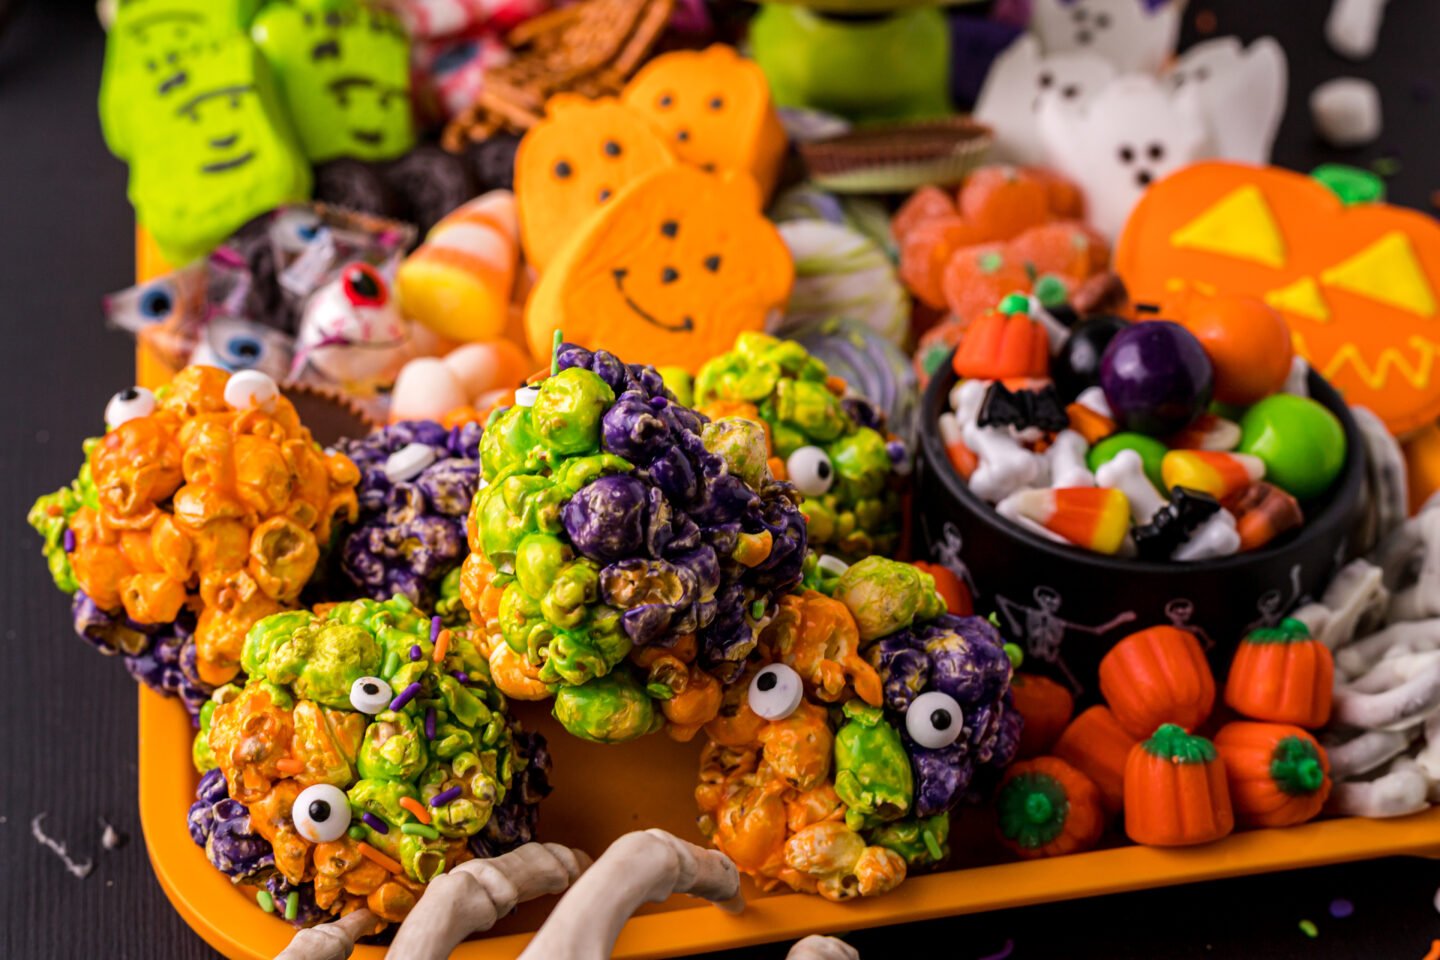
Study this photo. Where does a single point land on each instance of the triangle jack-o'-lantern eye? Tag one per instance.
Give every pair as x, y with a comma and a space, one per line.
1239, 225
1302, 298
1388, 271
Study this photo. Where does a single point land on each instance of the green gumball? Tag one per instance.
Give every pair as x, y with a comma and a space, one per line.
1302, 443
344, 69
218, 155
1151, 452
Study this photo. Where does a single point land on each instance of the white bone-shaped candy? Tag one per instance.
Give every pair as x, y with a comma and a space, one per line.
1369, 751
1298, 382
1354, 601
1412, 764
1398, 693
1126, 472
1353, 27
1395, 794
1066, 457
966, 399
1216, 537
1418, 636
1005, 466
1385, 464
1429, 756
1422, 598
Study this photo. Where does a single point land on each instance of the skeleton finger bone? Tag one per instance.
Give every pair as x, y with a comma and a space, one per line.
822, 948
330, 941
474, 895
1360, 657
1395, 794
1354, 599
1369, 751
1403, 705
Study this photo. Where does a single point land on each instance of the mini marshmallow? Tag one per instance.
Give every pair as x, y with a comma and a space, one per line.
1216, 537
409, 462
1353, 27
1126, 472
1346, 111
1093, 398
1396, 794
1369, 751
1297, 383
1066, 457
1005, 466
251, 388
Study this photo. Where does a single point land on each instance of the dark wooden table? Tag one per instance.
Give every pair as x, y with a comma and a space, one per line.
68, 747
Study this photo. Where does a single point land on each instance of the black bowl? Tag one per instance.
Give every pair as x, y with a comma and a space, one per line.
1067, 606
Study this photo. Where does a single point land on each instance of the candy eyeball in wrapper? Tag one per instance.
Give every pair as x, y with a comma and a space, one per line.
129, 404
321, 813
776, 692
352, 332
239, 345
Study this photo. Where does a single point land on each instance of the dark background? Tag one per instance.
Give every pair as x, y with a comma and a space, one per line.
67, 718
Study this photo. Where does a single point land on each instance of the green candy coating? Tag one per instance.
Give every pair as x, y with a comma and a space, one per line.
50, 517
394, 747
741, 444
609, 709
886, 595
1302, 443
1151, 451
344, 69
321, 660
567, 411
922, 843
872, 770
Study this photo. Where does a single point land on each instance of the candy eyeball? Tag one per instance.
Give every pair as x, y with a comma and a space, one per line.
811, 471
363, 285
129, 404
525, 396
295, 229
409, 462
934, 720
775, 692
370, 695
321, 813
250, 388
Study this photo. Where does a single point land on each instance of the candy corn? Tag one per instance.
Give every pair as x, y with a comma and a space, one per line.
458, 282
1263, 512
1091, 425
1219, 474
1092, 517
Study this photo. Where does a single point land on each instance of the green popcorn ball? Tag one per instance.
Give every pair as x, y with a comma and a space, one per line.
478, 779
344, 68
922, 843
679, 382
422, 859
507, 442
147, 58
609, 709
219, 155
320, 661
567, 411
394, 747
885, 596
862, 463
570, 592
872, 770
381, 798
538, 561
741, 443
448, 604
809, 408
200, 753
266, 635
50, 517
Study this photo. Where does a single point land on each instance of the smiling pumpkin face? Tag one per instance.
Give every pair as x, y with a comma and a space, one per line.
715, 111
670, 271
574, 162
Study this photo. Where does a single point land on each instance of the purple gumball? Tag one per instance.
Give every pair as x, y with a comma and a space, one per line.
1157, 378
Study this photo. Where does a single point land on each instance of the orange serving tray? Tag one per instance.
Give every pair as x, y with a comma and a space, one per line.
602, 792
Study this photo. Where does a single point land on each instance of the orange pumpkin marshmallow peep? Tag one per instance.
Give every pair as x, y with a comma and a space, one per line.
212, 497
715, 111
574, 162
670, 270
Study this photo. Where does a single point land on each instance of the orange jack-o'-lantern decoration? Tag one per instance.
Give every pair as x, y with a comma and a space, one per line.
1358, 284
715, 111
573, 162
669, 271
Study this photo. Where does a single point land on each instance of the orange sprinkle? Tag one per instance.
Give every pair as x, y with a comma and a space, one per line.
290, 766
415, 807
375, 856
442, 646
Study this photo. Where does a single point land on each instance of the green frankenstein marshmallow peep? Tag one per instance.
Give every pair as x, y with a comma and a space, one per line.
344, 69
832, 444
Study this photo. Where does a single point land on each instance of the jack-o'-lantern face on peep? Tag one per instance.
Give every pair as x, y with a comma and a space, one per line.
714, 109
575, 161
672, 269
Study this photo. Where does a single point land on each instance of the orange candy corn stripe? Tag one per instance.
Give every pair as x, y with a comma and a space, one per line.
1219, 474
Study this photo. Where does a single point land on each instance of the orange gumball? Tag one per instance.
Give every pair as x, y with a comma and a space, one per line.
1248, 342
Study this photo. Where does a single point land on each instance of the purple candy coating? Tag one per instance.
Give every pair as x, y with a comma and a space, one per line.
1157, 377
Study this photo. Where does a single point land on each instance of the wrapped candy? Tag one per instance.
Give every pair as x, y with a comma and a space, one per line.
366, 754
416, 483
209, 499
829, 443
603, 526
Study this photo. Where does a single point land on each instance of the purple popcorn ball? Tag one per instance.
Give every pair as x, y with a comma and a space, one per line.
606, 519
222, 826
674, 474
307, 911
968, 659
513, 821
780, 514
161, 656
657, 597
631, 429
863, 412
941, 777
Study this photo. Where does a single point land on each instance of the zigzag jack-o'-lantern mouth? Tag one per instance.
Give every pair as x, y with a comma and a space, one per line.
686, 324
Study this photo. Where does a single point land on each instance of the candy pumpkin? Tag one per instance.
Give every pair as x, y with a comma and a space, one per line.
574, 161
673, 267
1283, 675
1157, 676
1046, 707
1095, 744
1278, 774
1001, 346
714, 109
1357, 284
1047, 808
958, 601
924, 204
1176, 793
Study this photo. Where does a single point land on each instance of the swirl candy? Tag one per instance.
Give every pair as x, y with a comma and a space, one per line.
830, 444
366, 754
209, 500
615, 523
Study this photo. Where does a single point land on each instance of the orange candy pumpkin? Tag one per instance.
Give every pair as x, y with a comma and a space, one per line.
1002, 346
1064, 248
1176, 793
1283, 675
1047, 808
1097, 746
713, 108
1357, 285
958, 601
1157, 676
927, 203
1046, 708
671, 270
573, 162
1278, 774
